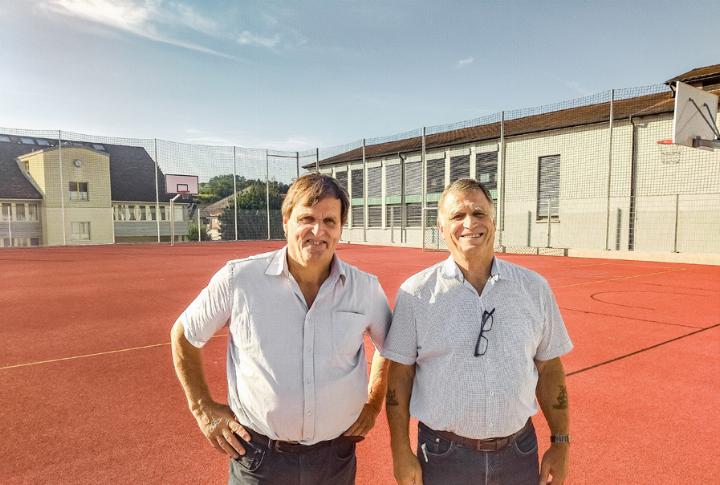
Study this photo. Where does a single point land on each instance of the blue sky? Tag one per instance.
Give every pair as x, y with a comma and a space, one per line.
295, 75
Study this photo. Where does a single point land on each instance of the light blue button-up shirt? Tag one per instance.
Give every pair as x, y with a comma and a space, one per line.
294, 374
436, 326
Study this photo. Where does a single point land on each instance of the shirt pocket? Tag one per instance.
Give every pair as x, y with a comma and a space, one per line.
348, 329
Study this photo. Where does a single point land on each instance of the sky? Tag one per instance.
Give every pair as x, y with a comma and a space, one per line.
294, 75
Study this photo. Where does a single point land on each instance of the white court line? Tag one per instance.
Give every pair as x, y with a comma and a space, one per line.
27, 364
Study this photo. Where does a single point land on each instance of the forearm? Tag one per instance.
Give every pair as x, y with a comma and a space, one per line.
187, 360
397, 406
552, 396
378, 381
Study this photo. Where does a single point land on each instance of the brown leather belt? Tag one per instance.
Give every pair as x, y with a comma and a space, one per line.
490, 444
263, 441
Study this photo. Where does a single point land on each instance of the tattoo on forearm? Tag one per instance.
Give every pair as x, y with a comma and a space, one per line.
562, 399
390, 398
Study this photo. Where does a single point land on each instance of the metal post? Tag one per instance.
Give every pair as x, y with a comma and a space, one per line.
267, 190
548, 223
297, 164
609, 181
157, 194
199, 226
317, 159
501, 184
10, 217
365, 191
235, 194
423, 202
62, 190
677, 217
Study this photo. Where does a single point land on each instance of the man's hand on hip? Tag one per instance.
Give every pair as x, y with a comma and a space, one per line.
217, 422
364, 422
407, 469
555, 463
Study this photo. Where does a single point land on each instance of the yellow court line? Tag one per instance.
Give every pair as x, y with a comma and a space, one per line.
73, 357
620, 278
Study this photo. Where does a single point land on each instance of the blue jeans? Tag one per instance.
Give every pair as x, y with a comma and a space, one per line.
447, 463
334, 464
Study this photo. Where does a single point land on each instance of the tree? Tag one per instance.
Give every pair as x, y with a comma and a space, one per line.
221, 186
252, 218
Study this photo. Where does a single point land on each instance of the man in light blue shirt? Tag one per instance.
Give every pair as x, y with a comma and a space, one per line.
474, 341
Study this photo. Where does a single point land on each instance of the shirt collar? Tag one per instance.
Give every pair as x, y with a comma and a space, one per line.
451, 270
278, 266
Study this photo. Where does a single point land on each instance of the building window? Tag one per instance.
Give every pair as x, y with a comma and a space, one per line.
392, 180
27, 141
32, 212
20, 212
435, 176
375, 216
34, 241
374, 176
459, 168
548, 187
341, 178
80, 231
393, 215
163, 215
486, 171
42, 142
413, 178
78, 191
358, 216
153, 213
26, 165
4, 138
7, 212
413, 215
356, 179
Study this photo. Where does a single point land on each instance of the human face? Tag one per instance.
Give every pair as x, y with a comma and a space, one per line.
467, 226
313, 232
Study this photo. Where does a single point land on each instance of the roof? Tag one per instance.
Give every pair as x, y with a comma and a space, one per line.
583, 115
132, 170
13, 183
706, 75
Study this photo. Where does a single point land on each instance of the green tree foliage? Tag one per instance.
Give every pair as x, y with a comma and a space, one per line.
252, 218
221, 186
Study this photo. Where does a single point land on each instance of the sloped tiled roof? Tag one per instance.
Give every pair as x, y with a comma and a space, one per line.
13, 184
707, 73
132, 171
566, 118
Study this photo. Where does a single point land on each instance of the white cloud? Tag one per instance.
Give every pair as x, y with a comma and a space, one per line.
145, 18
248, 38
465, 62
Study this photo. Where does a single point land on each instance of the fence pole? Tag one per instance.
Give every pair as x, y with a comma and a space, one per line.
501, 184
609, 181
10, 217
677, 216
549, 211
235, 194
297, 164
157, 193
267, 190
423, 202
317, 159
62, 191
199, 226
365, 191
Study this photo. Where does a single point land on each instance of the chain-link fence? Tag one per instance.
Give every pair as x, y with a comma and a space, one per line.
582, 174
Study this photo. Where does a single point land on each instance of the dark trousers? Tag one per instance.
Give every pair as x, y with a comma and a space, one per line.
447, 463
264, 464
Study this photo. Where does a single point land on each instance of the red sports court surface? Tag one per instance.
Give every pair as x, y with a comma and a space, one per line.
88, 393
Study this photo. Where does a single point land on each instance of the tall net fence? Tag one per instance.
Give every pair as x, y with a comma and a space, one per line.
586, 173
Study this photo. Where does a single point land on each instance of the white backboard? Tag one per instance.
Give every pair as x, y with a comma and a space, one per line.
688, 122
181, 183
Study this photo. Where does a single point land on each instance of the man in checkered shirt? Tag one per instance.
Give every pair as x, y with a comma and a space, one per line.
473, 342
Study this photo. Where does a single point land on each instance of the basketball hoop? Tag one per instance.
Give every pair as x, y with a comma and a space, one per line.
669, 152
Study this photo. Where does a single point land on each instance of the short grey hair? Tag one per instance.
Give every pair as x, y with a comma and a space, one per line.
463, 186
